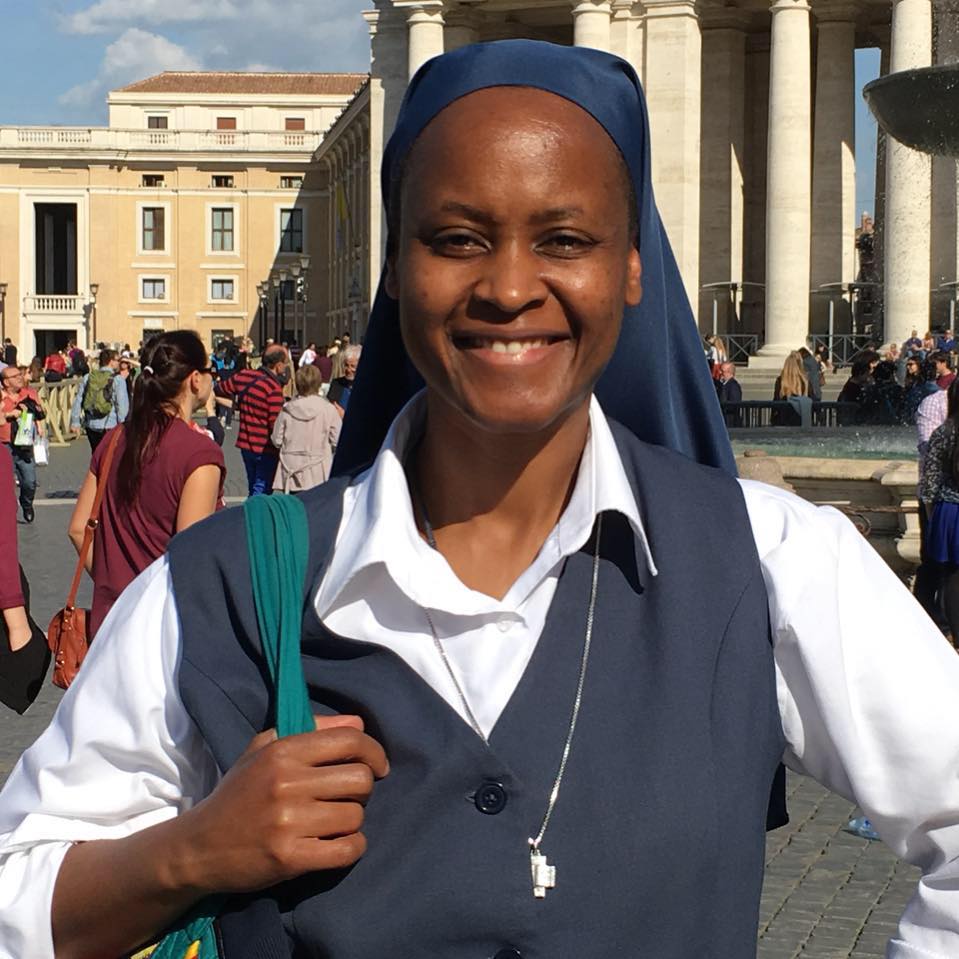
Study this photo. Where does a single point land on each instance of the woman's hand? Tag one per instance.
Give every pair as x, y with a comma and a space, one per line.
287, 807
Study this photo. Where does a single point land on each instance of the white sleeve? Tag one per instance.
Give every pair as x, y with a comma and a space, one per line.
867, 691
120, 754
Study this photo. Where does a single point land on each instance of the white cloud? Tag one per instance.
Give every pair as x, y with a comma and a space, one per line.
133, 55
106, 16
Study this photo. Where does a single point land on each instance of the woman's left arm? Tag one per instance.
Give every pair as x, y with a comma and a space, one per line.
867, 695
199, 497
81, 513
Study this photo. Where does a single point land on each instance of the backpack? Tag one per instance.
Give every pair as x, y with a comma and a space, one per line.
98, 395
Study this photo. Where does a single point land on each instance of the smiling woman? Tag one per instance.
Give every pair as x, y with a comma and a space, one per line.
556, 661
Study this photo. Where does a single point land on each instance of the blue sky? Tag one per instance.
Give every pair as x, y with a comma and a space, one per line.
58, 58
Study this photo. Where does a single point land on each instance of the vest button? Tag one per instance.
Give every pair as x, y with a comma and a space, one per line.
490, 798
508, 954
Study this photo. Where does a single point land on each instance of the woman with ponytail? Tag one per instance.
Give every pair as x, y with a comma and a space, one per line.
166, 474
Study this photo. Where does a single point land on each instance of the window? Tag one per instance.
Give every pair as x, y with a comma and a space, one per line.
226, 123
295, 123
222, 290
291, 231
153, 232
222, 235
153, 288
291, 182
223, 182
152, 180
157, 123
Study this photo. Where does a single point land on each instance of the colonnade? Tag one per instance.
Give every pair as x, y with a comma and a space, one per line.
694, 61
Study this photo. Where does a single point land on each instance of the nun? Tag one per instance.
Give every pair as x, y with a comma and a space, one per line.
555, 649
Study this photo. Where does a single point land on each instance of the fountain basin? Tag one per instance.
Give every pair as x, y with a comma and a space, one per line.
919, 107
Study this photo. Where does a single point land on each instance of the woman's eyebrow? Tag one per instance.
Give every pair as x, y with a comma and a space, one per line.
557, 213
467, 211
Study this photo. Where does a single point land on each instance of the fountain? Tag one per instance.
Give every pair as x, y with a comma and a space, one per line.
871, 473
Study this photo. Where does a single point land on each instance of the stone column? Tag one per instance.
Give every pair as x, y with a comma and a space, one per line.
945, 228
425, 33
591, 24
721, 195
788, 183
388, 66
673, 68
908, 189
834, 159
461, 29
627, 33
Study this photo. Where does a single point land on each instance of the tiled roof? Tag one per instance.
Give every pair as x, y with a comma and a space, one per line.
315, 84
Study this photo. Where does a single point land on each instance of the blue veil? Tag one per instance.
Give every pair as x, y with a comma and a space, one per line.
657, 383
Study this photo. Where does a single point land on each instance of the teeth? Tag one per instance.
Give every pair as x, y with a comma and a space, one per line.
512, 347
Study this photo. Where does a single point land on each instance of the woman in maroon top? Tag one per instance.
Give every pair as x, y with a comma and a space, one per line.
166, 474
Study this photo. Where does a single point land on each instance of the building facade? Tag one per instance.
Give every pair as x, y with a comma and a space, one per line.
752, 111
198, 207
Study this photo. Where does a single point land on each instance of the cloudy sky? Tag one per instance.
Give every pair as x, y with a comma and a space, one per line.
58, 58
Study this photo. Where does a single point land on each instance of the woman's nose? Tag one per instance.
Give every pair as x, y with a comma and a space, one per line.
512, 280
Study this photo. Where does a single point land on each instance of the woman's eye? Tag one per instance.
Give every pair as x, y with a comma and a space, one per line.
456, 243
567, 243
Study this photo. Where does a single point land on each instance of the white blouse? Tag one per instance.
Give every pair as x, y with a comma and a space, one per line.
866, 683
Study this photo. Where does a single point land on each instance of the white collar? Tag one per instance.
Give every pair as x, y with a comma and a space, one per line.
378, 526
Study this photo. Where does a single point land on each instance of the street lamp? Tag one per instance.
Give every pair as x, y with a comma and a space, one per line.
3, 311
261, 291
295, 273
94, 289
275, 282
284, 276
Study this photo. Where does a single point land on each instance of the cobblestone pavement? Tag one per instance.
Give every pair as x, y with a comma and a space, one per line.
827, 894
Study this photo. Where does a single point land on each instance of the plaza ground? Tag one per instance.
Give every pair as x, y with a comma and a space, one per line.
827, 894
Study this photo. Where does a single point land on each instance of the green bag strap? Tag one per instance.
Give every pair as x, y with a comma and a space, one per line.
278, 543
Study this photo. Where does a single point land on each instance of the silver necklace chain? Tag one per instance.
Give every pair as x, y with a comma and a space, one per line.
543, 874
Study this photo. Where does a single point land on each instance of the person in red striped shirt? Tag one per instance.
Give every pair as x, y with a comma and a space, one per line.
258, 397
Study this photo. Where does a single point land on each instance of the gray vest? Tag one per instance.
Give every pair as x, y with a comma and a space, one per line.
658, 834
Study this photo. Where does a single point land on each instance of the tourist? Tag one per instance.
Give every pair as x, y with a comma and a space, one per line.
9, 352
342, 386
24, 654
126, 374
729, 390
223, 361
308, 356
305, 433
54, 367
853, 394
944, 371
166, 472
453, 588
715, 353
34, 372
913, 344
882, 401
939, 494
99, 405
930, 415
324, 363
17, 399
815, 378
792, 389
928, 343
257, 395
920, 383
946, 342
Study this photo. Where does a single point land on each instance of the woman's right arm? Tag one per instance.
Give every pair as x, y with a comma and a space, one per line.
81, 513
123, 771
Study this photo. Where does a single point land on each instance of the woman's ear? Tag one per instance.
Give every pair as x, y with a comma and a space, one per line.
634, 278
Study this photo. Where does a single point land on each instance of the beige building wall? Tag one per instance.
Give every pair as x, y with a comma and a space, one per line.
199, 177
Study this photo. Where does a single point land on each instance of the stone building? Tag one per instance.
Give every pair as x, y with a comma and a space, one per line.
200, 188
752, 109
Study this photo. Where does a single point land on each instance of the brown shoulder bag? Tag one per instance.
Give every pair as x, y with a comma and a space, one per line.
68, 634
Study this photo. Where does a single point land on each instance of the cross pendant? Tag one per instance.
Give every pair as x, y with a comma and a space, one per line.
544, 875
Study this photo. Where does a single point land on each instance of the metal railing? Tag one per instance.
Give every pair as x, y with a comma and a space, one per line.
843, 347
753, 413
741, 346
